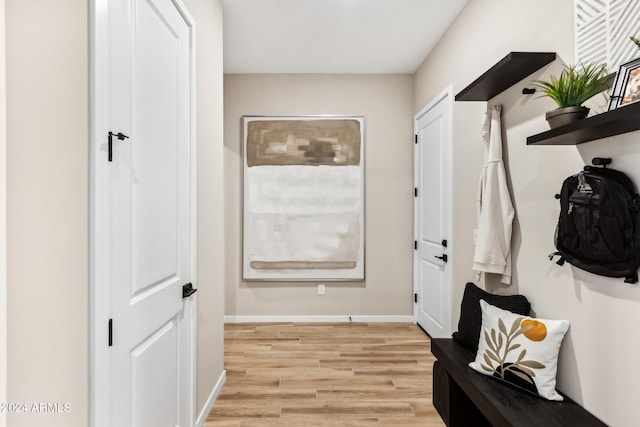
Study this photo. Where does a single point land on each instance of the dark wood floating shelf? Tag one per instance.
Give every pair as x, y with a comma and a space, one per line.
621, 120
507, 72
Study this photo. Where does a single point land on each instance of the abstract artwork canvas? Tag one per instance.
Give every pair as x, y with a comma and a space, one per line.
303, 198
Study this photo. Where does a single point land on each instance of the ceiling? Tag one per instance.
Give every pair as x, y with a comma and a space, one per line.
333, 36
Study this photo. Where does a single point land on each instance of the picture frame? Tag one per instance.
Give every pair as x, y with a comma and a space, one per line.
303, 198
626, 89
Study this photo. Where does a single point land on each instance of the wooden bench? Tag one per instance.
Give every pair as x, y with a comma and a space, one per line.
465, 398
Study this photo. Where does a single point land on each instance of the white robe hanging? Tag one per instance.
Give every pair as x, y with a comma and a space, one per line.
494, 211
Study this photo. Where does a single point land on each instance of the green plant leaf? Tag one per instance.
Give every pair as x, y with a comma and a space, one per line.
636, 41
575, 85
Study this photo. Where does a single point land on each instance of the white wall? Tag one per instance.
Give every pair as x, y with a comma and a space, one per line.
385, 102
47, 205
3, 219
598, 362
47, 208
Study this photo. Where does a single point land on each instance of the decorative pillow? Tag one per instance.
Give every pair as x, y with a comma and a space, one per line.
520, 350
471, 316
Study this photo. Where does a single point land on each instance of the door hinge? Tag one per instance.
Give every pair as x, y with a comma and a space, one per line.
415, 245
415, 297
110, 332
415, 191
121, 136
415, 139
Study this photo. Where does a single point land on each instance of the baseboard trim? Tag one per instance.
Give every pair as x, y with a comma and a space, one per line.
320, 319
202, 417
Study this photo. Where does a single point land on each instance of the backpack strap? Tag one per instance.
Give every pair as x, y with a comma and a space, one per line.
561, 261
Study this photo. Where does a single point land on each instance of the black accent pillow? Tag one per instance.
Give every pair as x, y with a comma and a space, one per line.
470, 322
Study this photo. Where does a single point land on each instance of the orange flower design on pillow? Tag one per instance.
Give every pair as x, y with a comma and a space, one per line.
535, 330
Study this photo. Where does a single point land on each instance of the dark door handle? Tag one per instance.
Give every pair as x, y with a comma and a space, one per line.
188, 290
443, 257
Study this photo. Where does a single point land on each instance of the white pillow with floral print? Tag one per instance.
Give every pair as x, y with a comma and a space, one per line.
520, 350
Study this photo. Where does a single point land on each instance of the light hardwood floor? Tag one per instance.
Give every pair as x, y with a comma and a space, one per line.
298, 375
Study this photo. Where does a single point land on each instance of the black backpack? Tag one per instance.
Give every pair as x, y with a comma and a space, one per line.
599, 224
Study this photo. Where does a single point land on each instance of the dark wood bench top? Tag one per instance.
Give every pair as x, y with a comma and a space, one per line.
504, 405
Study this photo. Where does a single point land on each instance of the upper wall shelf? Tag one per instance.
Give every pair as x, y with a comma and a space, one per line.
615, 122
507, 72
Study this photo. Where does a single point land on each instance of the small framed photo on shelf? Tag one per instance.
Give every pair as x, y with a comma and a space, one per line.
626, 89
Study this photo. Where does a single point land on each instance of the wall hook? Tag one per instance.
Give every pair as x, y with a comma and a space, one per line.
601, 161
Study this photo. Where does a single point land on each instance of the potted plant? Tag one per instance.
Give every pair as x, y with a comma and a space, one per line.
571, 89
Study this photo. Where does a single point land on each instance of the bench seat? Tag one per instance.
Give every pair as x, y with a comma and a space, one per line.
465, 398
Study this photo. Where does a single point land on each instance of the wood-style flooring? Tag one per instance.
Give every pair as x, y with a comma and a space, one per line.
338, 375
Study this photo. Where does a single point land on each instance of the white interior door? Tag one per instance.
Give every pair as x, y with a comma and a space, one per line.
142, 236
432, 212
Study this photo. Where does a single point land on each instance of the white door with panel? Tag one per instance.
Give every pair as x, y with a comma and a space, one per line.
143, 215
432, 217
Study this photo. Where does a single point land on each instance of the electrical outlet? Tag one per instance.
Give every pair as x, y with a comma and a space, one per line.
320, 289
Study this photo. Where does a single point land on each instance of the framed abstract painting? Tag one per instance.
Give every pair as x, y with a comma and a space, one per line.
303, 182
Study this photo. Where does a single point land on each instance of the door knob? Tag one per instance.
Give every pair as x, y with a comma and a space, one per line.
188, 290
443, 257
